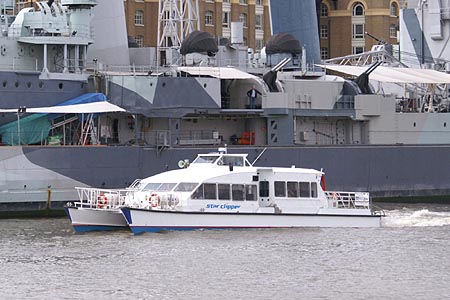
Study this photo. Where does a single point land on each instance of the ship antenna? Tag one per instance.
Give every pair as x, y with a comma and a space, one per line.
262, 152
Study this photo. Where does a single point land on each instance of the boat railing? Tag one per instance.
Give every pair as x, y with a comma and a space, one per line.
352, 200
153, 199
100, 198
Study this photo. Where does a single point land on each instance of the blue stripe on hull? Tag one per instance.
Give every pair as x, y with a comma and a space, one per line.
141, 229
87, 228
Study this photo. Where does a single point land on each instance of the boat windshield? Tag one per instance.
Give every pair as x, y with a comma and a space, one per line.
150, 186
210, 159
160, 187
185, 186
231, 160
166, 187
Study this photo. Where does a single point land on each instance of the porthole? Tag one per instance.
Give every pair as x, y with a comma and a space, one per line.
41, 84
16, 84
61, 85
151, 83
164, 84
204, 85
82, 85
445, 124
29, 85
414, 124
5, 83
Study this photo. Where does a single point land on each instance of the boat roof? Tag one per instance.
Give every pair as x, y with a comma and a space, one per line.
201, 174
395, 75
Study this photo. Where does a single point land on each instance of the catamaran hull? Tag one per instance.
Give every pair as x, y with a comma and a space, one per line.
143, 220
89, 219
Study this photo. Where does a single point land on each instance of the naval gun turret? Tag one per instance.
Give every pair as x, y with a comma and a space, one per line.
363, 80
198, 47
79, 16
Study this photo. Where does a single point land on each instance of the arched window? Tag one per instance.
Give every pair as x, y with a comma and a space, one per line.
139, 17
358, 9
394, 9
323, 10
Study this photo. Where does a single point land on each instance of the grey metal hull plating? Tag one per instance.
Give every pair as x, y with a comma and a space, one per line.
40, 177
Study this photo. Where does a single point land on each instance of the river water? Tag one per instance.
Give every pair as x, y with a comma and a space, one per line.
408, 258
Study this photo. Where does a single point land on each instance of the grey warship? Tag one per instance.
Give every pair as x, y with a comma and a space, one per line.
363, 139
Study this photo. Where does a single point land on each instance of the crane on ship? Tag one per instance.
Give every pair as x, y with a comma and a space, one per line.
176, 19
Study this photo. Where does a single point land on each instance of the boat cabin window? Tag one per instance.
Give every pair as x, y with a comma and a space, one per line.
185, 187
280, 189
210, 159
231, 160
150, 186
166, 187
238, 192
295, 189
314, 189
250, 192
292, 189
264, 189
205, 191
304, 190
235, 192
224, 191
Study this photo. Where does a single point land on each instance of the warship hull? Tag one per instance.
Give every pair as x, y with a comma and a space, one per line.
38, 178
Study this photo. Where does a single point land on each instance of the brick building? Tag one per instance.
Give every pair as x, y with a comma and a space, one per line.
215, 18
343, 23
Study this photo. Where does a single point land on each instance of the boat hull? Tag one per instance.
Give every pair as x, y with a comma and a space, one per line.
89, 219
143, 220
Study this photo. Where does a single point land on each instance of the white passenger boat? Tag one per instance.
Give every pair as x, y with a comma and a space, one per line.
225, 191
99, 209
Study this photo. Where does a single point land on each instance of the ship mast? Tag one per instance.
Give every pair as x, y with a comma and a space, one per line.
176, 19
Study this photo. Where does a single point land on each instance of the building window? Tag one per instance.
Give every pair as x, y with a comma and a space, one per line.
393, 31
226, 19
324, 53
358, 31
139, 18
243, 1
139, 40
357, 50
323, 10
259, 2
358, 9
394, 10
259, 23
243, 19
323, 31
209, 18
259, 44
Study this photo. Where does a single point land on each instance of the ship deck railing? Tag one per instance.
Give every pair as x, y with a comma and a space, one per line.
349, 200
100, 198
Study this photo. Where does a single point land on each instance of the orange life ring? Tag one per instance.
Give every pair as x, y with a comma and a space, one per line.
102, 201
155, 200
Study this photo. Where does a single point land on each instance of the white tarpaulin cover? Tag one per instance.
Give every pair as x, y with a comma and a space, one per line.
217, 72
93, 107
396, 75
